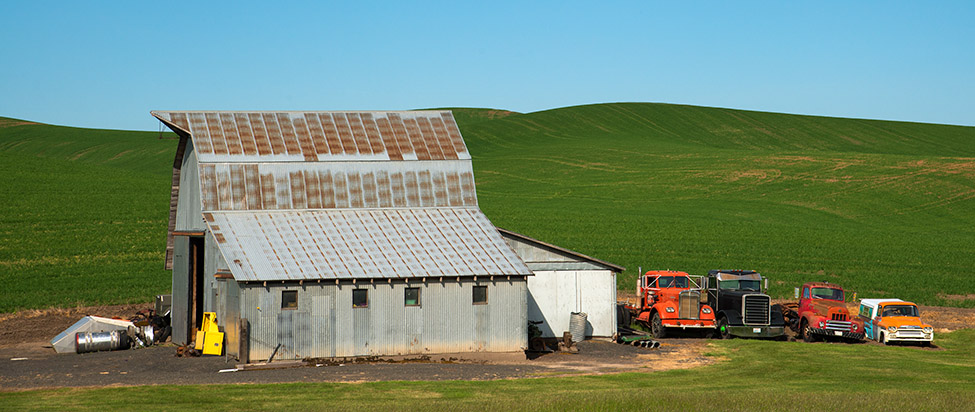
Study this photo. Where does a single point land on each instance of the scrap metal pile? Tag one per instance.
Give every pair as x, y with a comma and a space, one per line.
94, 333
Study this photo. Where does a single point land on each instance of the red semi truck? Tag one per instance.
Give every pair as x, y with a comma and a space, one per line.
669, 300
821, 313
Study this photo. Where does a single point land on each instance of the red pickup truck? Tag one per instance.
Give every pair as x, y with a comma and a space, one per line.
821, 313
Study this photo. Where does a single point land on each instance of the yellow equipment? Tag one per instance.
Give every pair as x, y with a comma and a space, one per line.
209, 339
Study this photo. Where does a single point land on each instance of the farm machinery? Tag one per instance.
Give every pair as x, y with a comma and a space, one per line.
821, 313
670, 300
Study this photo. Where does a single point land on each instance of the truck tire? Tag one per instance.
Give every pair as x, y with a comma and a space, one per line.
657, 328
722, 331
807, 335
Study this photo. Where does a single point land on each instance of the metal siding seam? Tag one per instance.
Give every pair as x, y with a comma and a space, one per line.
359, 133
238, 190
383, 189
313, 190
454, 132
426, 188
252, 184
372, 134
332, 135
439, 189
370, 190
305, 142
416, 139
317, 134
274, 134
345, 134
288, 136
327, 190
261, 140
231, 135
429, 138
443, 139
389, 139
216, 134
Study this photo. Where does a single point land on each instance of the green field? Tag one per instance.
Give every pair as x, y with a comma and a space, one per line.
751, 376
886, 209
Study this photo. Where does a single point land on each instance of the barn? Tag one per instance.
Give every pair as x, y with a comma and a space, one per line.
566, 282
333, 234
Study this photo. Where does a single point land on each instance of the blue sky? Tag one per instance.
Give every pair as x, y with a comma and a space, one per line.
106, 64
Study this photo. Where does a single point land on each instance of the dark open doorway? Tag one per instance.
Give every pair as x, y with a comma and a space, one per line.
197, 254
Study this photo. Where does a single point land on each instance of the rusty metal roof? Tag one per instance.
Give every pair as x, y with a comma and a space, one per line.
337, 185
326, 195
318, 136
365, 243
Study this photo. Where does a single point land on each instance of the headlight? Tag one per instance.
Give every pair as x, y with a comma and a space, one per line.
853, 327
821, 324
706, 310
892, 329
670, 309
928, 329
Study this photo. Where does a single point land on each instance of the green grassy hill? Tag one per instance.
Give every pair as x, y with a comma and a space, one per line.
886, 209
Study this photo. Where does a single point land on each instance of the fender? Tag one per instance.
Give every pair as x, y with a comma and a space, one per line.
776, 318
734, 318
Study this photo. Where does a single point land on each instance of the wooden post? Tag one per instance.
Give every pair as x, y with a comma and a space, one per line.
244, 350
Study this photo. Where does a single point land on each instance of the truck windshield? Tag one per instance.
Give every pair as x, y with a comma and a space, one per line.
827, 293
740, 284
672, 282
900, 310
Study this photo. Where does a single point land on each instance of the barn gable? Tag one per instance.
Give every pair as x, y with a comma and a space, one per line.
334, 195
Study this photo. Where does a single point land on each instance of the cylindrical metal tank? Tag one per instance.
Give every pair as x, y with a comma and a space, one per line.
99, 341
577, 326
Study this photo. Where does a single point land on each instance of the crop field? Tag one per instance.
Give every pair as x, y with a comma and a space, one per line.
752, 375
883, 208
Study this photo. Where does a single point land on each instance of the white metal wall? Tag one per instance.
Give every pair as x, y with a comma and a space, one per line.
326, 325
554, 295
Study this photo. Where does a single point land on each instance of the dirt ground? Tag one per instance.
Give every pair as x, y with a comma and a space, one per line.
27, 360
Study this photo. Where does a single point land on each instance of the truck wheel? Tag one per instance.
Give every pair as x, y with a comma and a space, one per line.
657, 327
722, 331
806, 331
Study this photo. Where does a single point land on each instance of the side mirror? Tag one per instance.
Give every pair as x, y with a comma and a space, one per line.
766, 284
797, 293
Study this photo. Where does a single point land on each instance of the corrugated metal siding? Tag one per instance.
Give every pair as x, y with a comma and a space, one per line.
369, 243
189, 209
271, 186
181, 290
554, 295
320, 136
445, 322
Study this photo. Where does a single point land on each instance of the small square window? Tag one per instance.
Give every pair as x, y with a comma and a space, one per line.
480, 295
412, 297
289, 299
360, 298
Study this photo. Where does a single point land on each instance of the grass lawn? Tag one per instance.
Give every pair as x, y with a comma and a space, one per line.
753, 375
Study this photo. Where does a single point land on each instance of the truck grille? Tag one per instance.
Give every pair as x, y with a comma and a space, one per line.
689, 304
839, 316
755, 309
838, 325
909, 333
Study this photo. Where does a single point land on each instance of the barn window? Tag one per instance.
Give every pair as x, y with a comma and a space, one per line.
480, 295
289, 299
360, 298
412, 297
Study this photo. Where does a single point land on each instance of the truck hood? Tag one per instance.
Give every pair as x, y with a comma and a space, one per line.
825, 306
900, 321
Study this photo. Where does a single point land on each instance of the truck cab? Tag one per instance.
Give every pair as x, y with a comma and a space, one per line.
823, 314
671, 300
894, 320
740, 307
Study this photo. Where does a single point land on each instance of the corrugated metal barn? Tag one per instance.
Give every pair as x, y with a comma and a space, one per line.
337, 234
566, 281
